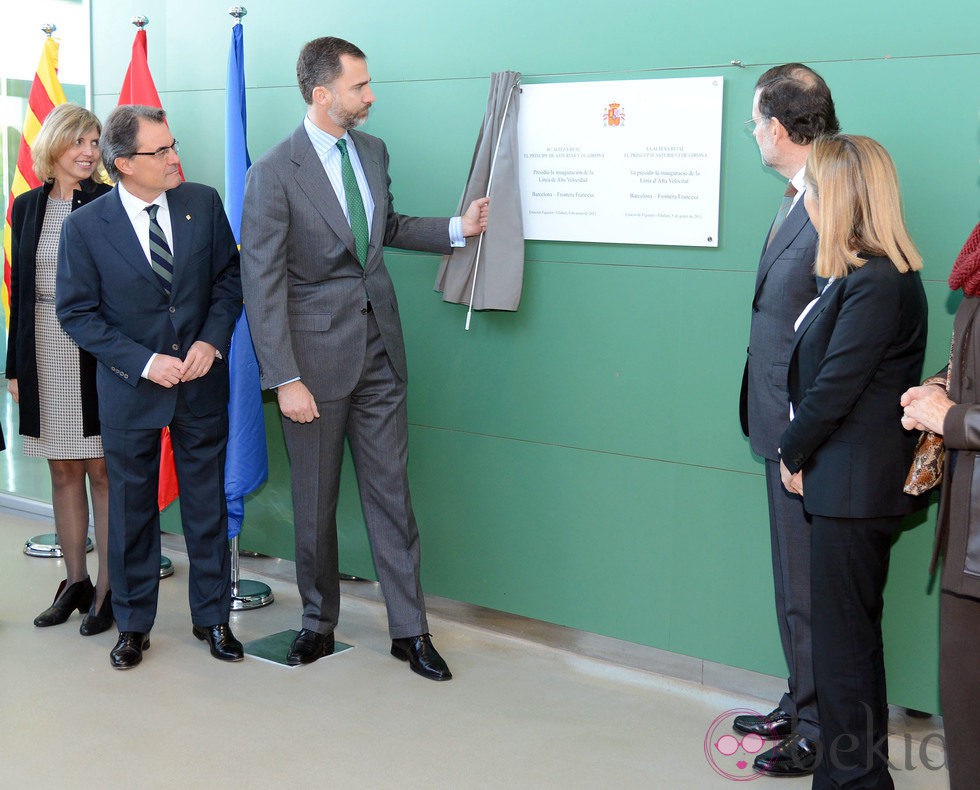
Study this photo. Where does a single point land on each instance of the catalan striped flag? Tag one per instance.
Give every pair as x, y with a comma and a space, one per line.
247, 461
46, 94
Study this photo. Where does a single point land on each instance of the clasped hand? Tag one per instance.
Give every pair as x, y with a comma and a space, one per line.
169, 371
791, 482
925, 408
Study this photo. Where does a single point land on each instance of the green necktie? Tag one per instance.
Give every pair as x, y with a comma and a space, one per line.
355, 205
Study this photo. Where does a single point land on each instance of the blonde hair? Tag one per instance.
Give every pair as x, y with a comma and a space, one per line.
65, 124
855, 184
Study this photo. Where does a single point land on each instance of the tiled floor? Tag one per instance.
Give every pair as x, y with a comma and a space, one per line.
517, 714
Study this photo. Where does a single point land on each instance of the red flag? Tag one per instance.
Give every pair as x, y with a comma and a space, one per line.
138, 88
167, 490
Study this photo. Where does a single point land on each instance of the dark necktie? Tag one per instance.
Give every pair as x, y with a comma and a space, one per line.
784, 208
161, 259
355, 205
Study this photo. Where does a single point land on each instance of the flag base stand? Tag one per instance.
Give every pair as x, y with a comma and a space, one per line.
275, 647
246, 593
166, 567
46, 545
250, 594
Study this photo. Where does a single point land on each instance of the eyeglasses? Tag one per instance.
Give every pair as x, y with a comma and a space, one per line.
161, 152
754, 121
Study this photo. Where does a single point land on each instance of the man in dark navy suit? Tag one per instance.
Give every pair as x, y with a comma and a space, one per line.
792, 105
148, 283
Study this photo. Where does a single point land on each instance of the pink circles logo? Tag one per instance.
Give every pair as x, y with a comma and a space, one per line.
728, 754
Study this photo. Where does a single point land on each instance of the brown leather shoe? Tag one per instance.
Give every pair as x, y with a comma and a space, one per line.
421, 656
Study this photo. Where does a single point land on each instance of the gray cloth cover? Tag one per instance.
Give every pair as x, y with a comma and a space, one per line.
500, 275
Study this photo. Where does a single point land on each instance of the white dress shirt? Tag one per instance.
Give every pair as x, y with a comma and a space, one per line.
135, 209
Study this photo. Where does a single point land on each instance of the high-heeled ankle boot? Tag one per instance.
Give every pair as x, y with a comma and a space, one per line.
77, 596
96, 622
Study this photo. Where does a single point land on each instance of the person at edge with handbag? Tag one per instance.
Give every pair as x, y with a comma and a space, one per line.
956, 417
858, 346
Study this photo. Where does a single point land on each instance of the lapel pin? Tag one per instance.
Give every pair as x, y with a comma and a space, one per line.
188, 216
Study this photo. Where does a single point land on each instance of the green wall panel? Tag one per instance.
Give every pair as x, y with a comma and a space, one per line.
580, 461
604, 358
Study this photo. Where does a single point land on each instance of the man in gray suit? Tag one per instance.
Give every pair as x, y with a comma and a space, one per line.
324, 318
792, 106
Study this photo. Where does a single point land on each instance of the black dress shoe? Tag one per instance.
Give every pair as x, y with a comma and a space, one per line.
66, 600
128, 651
223, 644
308, 646
773, 726
96, 622
421, 656
795, 756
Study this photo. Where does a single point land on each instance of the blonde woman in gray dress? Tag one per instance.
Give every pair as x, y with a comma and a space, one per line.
49, 377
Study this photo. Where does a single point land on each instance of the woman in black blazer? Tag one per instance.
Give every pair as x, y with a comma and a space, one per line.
857, 348
52, 381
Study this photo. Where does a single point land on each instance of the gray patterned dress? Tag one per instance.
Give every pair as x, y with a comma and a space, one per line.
59, 383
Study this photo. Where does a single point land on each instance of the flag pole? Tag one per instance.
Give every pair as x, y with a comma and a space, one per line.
245, 593
493, 164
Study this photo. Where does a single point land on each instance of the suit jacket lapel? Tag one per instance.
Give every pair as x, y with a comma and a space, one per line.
822, 302
312, 179
122, 237
788, 231
180, 227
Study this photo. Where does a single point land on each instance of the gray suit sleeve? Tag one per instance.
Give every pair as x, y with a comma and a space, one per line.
265, 228
425, 234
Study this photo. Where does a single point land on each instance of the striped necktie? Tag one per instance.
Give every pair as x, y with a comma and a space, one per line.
784, 208
161, 259
355, 204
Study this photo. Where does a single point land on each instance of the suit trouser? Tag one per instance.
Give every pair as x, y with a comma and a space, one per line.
849, 568
133, 465
959, 686
789, 531
374, 420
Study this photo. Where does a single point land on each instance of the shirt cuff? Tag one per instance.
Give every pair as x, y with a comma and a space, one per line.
284, 383
456, 237
146, 370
